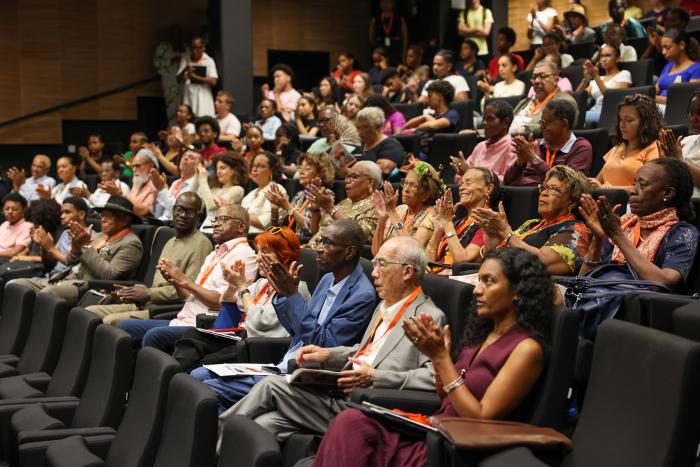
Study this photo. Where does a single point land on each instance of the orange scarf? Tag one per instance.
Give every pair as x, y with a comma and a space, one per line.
632, 225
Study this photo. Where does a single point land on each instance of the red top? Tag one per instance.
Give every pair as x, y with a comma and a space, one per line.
346, 85
208, 153
693, 6
493, 64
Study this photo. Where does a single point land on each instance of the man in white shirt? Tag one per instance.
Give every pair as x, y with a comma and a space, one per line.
165, 198
443, 68
385, 358
229, 125
26, 187
109, 180
203, 294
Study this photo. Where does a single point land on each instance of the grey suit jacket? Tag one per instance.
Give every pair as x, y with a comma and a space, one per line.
399, 364
118, 260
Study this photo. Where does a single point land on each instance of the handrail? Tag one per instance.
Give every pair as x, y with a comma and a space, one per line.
81, 100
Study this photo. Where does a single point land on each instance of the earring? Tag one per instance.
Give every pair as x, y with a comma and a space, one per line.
665, 200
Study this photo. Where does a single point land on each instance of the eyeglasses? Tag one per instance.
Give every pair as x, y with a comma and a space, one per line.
542, 76
224, 220
179, 210
136, 166
259, 167
381, 263
544, 122
410, 185
326, 242
551, 188
324, 120
354, 176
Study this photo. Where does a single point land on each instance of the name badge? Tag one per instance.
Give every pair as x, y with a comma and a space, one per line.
387, 42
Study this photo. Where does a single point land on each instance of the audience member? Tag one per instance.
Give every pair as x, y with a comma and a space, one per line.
394, 88
384, 358
352, 106
224, 187
306, 117
346, 71
265, 172
380, 61
558, 146
42, 214
204, 293
327, 95
558, 239
577, 31
314, 169
184, 117
27, 187
137, 141
253, 141
283, 94
175, 146
633, 28
414, 59
692, 6
208, 131
638, 126
288, 148
440, 95
334, 128
681, 52
658, 12
167, 196
378, 147
475, 24
66, 169
420, 189
615, 37
91, 155
509, 85
656, 238
677, 18
15, 231
363, 178
336, 315
469, 64
443, 69
142, 194
389, 30
109, 184
229, 125
553, 45
457, 236
511, 311
596, 85
394, 121
541, 20
362, 86
186, 250
198, 75
505, 39
528, 113
90, 260
268, 120
688, 147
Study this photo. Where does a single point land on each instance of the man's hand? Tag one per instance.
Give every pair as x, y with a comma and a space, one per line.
18, 177
284, 281
172, 273
42, 238
138, 293
110, 187
158, 180
524, 149
81, 236
43, 192
311, 353
361, 377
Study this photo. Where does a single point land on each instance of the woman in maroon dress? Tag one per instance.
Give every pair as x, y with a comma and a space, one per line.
502, 356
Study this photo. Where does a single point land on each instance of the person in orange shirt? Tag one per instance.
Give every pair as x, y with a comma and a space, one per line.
638, 126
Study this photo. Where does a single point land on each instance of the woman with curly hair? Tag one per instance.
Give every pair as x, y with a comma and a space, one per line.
558, 238
638, 126
501, 357
226, 186
314, 169
656, 239
266, 172
419, 191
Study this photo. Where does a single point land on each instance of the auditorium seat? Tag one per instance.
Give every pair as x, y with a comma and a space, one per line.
244, 443
581, 98
600, 143
642, 405
613, 97
615, 196
642, 71
686, 321
410, 143
444, 145
574, 73
512, 100
520, 203
580, 50
17, 313
678, 100
465, 109
410, 111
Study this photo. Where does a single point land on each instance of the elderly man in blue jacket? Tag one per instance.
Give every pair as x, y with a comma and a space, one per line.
337, 314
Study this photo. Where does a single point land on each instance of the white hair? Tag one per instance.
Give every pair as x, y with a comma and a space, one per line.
372, 170
373, 115
148, 156
409, 251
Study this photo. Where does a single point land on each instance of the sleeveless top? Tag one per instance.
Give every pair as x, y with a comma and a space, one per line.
481, 370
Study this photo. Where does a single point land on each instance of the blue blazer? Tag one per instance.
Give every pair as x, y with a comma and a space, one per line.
346, 320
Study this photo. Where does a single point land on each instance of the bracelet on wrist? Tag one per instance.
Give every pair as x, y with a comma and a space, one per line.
590, 262
481, 252
448, 388
507, 239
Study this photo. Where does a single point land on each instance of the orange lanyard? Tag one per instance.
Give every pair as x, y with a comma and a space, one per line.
411, 298
543, 103
262, 291
637, 233
544, 224
104, 242
216, 261
290, 222
551, 155
461, 227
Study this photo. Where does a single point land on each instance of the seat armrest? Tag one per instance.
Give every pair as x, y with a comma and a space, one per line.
165, 311
38, 381
424, 402
34, 454
100, 284
50, 435
205, 320
266, 349
9, 359
463, 268
521, 456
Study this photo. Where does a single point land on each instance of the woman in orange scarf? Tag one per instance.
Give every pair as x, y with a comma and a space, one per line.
656, 239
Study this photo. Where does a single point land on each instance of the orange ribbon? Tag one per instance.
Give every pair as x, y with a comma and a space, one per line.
104, 242
216, 261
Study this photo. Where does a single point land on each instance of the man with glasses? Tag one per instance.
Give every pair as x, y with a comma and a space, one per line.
186, 251
337, 133
203, 293
336, 315
558, 146
528, 113
385, 358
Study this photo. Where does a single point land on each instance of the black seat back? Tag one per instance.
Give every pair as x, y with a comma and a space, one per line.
145, 234
45, 336
642, 71
443, 146
17, 312
581, 98
520, 203
139, 433
91, 180
678, 99
309, 273
191, 421
410, 111
339, 190
512, 100
453, 298
161, 236
465, 109
245, 443
574, 73
613, 98
108, 380
410, 143
71, 370
580, 50
600, 143
615, 196
686, 321
641, 405
525, 77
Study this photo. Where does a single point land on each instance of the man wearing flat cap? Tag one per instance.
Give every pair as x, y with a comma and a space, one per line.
115, 254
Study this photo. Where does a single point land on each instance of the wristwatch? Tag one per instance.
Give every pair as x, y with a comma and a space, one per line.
451, 234
399, 226
243, 292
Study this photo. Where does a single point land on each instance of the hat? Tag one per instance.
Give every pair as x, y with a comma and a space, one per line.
148, 154
576, 9
120, 204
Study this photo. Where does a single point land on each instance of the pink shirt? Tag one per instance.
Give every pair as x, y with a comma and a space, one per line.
289, 99
497, 156
210, 276
145, 196
17, 234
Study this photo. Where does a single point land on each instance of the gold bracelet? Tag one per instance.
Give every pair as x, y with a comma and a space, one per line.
429, 248
508, 237
481, 252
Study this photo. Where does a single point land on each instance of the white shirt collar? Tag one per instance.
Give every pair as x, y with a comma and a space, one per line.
388, 313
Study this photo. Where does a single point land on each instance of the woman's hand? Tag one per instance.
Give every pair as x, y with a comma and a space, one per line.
391, 197
201, 170
319, 198
668, 145
275, 196
110, 187
459, 163
426, 336
379, 206
589, 212
444, 210
43, 192
495, 223
595, 183
607, 215
235, 275
590, 70
80, 192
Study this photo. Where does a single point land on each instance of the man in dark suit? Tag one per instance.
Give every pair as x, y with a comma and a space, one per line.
337, 314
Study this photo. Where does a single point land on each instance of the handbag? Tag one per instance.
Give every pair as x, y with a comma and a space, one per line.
494, 435
598, 295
